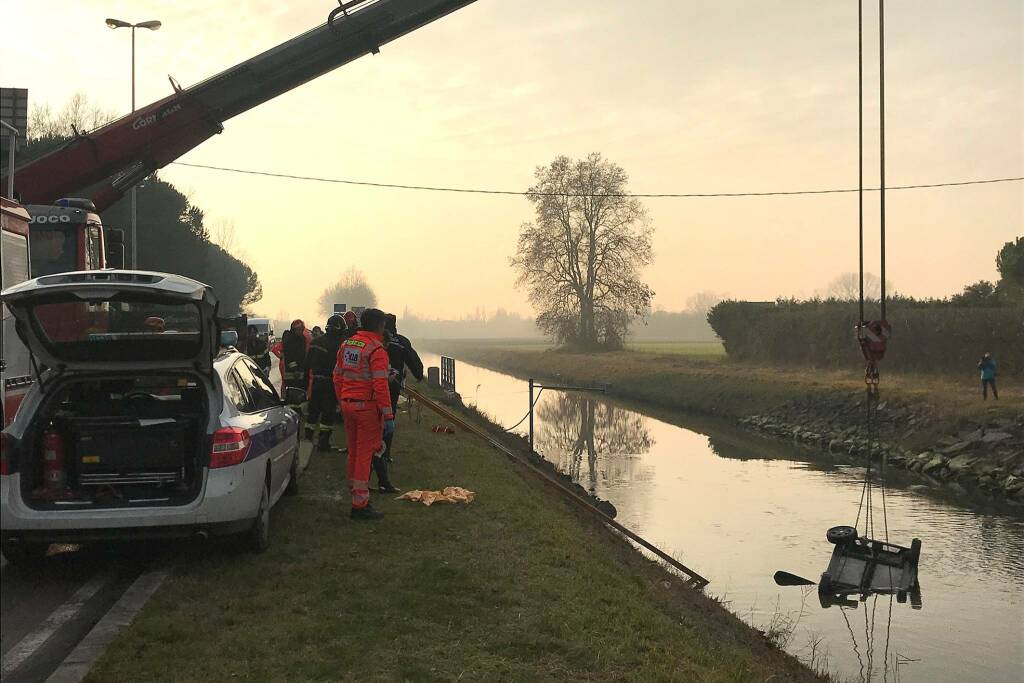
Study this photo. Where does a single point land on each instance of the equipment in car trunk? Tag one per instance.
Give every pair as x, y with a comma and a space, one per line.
116, 450
55, 475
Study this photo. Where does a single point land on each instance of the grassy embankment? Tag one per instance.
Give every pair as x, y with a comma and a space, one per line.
516, 586
698, 378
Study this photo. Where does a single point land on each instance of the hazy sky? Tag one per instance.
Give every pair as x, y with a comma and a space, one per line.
688, 96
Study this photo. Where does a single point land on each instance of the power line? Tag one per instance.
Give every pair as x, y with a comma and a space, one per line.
517, 193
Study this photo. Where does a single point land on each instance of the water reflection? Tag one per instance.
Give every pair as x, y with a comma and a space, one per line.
575, 426
872, 642
738, 507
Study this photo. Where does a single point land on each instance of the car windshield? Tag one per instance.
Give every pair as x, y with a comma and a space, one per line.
53, 250
120, 329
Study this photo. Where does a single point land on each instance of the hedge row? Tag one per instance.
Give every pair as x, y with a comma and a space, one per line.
821, 335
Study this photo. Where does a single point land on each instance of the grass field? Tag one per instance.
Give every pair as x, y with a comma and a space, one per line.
516, 586
699, 378
704, 350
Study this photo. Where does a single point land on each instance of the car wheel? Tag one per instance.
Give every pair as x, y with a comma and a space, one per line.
293, 475
24, 554
259, 535
841, 535
825, 584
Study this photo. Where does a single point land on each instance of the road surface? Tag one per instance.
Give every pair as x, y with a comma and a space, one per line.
45, 611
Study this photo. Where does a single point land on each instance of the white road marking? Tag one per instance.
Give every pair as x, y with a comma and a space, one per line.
27, 646
76, 666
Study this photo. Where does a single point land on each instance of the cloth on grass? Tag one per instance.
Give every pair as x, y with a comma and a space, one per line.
451, 494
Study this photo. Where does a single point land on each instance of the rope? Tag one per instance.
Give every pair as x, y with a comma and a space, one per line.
527, 412
860, 146
888, 635
881, 132
871, 395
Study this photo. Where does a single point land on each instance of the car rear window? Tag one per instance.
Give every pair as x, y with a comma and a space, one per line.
120, 330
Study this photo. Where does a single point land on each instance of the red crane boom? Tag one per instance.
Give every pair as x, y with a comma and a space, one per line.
110, 160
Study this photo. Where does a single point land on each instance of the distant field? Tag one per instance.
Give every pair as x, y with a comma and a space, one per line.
697, 349
702, 350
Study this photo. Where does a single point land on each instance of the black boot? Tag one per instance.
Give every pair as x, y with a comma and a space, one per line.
324, 442
309, 433
366, 513
384, 485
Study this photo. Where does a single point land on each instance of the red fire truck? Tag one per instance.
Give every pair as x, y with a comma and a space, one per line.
15, 363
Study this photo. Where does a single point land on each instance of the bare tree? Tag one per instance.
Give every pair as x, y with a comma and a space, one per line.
580, 259
351, 289
704, 301
224, 235
846, 287
78, 114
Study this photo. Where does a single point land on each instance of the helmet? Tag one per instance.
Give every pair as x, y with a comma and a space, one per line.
335, 322
350, 318
155, 324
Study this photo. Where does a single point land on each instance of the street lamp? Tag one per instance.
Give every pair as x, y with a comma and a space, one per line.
152, 25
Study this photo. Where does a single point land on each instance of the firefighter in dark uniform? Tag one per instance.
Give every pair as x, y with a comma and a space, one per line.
323, 403
292, 351
401, 356
257, 347
351, 324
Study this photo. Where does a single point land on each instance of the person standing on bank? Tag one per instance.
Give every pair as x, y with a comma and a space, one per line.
258, 348
361, 385
987, 366
401, 355
323, 404
292, 351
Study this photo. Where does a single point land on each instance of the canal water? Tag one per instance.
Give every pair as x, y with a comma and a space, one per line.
736, 507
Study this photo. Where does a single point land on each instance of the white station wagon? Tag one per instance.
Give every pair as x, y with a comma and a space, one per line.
139, 424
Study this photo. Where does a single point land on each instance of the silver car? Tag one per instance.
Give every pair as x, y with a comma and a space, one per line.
139, 424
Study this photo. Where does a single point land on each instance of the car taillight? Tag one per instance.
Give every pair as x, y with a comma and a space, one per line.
4, 447
230, 446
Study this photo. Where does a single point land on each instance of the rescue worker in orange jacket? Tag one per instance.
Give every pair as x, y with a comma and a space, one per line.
361, 383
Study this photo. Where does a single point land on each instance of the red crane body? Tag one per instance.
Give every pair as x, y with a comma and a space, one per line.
107, 162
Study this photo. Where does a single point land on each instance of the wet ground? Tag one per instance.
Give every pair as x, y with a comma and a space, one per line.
737, 507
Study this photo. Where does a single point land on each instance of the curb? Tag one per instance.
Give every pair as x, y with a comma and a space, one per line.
76, 665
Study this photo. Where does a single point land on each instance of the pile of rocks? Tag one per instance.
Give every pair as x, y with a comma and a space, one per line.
984, 456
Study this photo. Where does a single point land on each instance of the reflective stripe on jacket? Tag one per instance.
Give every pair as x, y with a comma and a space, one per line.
361, 372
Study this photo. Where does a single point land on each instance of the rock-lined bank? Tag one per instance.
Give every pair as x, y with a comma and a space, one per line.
988, 456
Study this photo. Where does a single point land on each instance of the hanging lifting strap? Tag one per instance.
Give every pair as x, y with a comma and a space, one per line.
873, 335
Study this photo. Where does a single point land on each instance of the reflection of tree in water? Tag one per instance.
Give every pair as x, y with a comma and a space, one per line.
572, 426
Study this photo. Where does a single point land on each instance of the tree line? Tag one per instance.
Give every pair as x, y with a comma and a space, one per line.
171, 230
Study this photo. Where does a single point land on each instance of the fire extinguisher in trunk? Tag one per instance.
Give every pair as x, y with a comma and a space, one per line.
54, 474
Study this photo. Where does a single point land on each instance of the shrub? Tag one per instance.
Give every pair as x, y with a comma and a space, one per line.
928, 336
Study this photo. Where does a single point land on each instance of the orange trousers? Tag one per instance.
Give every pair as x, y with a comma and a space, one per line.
364, 432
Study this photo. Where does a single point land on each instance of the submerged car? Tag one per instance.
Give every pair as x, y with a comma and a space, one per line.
139, 424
